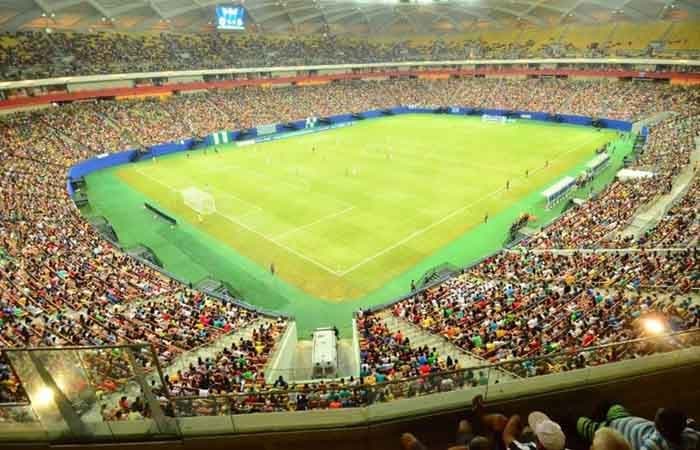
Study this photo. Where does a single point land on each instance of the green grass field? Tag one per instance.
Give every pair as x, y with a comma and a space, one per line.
374, 206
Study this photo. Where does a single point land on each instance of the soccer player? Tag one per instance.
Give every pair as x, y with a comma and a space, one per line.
272, 269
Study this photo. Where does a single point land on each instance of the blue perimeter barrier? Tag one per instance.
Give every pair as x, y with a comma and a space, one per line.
86, 167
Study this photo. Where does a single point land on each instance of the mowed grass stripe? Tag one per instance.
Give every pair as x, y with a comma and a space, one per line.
372, 200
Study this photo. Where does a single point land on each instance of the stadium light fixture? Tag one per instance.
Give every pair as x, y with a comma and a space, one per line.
654, 326
43, 397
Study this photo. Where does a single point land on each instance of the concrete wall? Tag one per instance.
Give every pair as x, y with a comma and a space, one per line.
355, 348
98, 85
642, 385
190, 79
283, 359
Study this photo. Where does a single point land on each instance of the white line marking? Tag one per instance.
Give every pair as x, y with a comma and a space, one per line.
162, 183
443, 219
253, 208
418, 233
223, 193
251, 229
302, 227
376, 255
279, 244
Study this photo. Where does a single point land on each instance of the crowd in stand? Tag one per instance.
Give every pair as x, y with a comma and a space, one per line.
600, 221
521, 305
612, 427
680, 227
386, 356
234, 369
61, 283
36, 54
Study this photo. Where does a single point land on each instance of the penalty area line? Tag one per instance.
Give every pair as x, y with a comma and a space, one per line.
279, 244
251, 229
419, 232
302, 227
448, 216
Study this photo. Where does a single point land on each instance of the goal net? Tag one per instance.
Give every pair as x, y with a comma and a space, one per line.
199, 200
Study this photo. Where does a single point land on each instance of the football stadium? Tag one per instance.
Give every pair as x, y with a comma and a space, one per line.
350, 224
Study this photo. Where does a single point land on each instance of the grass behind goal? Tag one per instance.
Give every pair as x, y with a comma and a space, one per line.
341, 213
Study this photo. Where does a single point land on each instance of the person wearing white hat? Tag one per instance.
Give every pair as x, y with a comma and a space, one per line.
542, 433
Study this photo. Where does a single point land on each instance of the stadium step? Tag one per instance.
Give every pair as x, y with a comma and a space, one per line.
209, 350
419, 338
650, 216
652, 120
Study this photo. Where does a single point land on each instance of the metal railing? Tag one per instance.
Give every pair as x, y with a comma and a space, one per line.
74, 391
488, 377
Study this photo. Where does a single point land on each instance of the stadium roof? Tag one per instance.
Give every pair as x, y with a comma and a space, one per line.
336, 16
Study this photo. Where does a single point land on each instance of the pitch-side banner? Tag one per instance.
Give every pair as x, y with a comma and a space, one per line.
220, 137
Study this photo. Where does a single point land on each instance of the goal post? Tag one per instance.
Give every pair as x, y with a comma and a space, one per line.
198, 200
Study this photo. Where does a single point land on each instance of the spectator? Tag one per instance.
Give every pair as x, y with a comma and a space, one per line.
668, 431
541, 433
608, 439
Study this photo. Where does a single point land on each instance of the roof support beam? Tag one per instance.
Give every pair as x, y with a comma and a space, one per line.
18, 21
541, 4
347, 12
516, 14
667, 4
570, 11
99, 8
460, 9
620, 6
282, 12
320, 12
680, 4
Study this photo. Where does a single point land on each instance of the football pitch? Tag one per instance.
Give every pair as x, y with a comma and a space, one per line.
340, 214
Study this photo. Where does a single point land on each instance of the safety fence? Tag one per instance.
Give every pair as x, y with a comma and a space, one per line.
69, 401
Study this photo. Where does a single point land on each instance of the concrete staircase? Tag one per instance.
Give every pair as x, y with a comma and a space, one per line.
649, 217
420, 338
651, 120
132, 389
183, 361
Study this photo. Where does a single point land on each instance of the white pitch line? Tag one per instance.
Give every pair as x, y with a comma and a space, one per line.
161, 182
302, 227
223, 193
251, 229
279, 244
418, 232
376, 255
447, 217
254, 208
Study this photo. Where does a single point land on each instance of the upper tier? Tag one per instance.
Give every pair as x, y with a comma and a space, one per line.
32, 55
